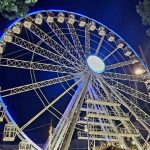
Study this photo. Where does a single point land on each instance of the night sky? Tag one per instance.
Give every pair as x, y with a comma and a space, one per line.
118, 15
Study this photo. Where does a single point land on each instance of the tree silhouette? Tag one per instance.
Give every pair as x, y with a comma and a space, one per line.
143, 9
12, 9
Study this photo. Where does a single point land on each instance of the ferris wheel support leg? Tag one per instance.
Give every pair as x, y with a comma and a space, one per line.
91, 143
92, 95
141, 136
126, 126
110, 121
126, 105
74, 115
114, 92
63, 124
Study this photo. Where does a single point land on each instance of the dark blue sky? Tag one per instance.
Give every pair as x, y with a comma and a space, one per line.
119, 15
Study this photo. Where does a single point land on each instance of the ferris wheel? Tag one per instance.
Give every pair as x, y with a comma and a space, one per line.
63, 66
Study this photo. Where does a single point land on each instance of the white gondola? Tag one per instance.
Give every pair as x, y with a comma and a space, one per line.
134, 59
119, 43
10, 132
147, 83
8, 36
61, 17
25, 145
92, 26
71, 19
27, 24
1, 113
2, 47
101, 31
111, 37
17, 28
82, 22
127, 51
39, 19
50, 17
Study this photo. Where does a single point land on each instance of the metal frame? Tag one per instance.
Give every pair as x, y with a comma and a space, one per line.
103, 94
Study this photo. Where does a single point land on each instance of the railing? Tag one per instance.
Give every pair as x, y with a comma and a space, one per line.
111, 130
85, 135
94, 120
103, 100
110, 113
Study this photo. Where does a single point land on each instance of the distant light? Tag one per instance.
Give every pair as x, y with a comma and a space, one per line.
85, 128
85, 118
133, 143
138, 71
96, 64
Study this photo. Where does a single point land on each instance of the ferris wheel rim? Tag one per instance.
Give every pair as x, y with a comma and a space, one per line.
79, 15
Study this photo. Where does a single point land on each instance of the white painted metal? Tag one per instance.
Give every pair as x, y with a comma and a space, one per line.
63, 124
38, 19
10, 132
2, 113
25, 145
82, 22
100, 102
108, 92
37, 85
111, 37
122, 64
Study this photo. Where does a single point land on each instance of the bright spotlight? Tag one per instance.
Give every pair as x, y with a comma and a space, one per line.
138, 71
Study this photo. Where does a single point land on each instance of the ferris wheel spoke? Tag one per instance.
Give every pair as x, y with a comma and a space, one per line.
128, 90
104, 89
99, 91
36, 85
87, 40
124, 101
110, 54
50, 104
100, 44
41, 51
76, 41
52, 43
128, 77
36, 66
45, 38
64, 40
139, 112
121, 64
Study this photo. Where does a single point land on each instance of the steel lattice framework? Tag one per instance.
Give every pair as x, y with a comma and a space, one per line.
108, 108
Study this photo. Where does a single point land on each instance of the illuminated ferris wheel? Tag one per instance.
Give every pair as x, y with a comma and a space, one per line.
63, 65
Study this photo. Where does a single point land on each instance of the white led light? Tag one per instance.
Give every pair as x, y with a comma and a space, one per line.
138, 71
96, 64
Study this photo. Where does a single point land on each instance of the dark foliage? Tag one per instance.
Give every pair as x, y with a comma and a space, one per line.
143, 9
12, 9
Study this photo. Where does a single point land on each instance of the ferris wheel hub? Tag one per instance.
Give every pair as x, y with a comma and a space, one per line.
96, 64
